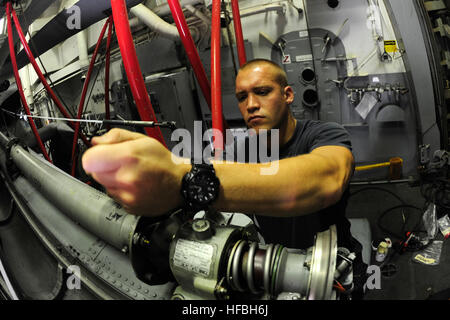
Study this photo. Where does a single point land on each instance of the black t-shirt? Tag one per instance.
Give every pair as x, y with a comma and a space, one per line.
299, 232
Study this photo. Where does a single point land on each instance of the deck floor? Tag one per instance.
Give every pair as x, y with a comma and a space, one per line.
411, 280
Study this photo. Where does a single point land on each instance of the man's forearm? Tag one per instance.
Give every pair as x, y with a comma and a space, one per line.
302, 185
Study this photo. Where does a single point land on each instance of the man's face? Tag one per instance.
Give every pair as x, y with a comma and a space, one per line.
262, 101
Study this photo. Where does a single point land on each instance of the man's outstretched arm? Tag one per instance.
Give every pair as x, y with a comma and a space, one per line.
140, 173
302, 184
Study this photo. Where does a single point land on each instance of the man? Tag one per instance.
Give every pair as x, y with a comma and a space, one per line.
304, 197
318, 163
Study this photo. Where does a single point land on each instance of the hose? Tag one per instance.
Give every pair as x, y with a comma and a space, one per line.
155, 23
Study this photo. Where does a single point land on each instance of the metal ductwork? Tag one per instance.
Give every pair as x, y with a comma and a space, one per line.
57, 31
155, 23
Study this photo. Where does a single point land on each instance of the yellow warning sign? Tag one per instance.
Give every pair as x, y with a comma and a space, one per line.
390, 46
424, 260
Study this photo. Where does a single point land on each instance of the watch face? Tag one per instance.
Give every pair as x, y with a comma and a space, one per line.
203, 188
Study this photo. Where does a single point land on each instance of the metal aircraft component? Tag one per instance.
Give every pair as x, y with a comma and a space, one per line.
226, 263
93, 209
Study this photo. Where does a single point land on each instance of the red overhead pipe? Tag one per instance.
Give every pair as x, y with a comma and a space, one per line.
132, 68
192, 53
216, 80
107, 66
19, 83
238, 32
41, 76
191, 50
83, 95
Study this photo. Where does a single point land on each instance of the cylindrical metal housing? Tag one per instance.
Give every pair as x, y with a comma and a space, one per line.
293, 271
198, 265
92, 209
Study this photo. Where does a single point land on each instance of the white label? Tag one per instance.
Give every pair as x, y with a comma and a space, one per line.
287, 59
306, 57
303, 34
375, 79
193, 256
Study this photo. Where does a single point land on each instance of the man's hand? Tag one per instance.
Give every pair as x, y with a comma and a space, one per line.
137, 171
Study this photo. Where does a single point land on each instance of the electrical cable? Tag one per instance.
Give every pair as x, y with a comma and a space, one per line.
398, 236
338, 286
384, 213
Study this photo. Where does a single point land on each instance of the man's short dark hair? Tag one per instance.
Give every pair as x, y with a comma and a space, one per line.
281, 77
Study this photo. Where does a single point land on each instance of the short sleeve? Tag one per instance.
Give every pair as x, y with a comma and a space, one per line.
319, 134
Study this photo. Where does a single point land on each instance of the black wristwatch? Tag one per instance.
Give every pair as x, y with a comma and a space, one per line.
200, 187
